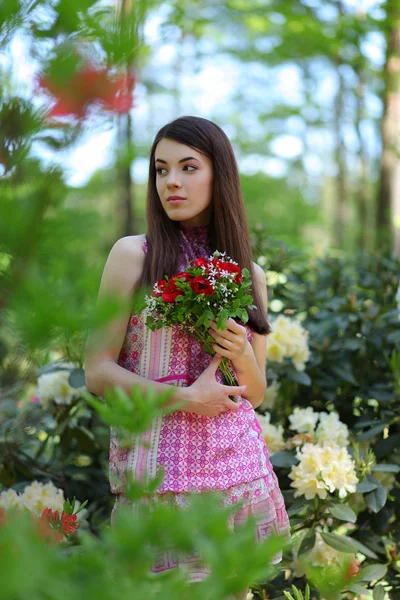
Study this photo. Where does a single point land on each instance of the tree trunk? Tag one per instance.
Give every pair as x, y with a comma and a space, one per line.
362, 180
340, 158
124, 175
388, 200
125, 143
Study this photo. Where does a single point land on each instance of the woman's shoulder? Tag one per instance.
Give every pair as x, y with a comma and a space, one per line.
130, 244
124, 264
259, 273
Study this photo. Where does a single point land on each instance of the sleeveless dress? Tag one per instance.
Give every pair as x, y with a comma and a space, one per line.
226, 453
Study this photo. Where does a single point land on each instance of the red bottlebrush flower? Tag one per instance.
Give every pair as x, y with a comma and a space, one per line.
51, 516
69, 523
201, 286
53, 527
353, 569
49, 526
88, 86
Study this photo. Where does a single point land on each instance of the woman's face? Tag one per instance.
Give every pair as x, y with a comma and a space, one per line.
184, 172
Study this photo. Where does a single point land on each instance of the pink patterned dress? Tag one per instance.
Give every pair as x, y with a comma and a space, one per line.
197, 453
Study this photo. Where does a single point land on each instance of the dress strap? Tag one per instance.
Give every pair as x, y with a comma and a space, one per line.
144, 245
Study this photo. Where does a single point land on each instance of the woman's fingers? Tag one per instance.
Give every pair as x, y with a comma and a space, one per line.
234, 390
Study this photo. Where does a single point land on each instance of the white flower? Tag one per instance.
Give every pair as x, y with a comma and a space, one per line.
303, 420
323, 555
54, 387
323, 469
272, 435
250, 595
330, 429
288, 339
270, 395
38, 496
262, 261
10, 499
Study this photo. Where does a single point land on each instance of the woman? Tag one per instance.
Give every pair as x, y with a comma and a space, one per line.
194, 206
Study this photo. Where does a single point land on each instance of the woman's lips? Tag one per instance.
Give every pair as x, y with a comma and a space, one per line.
177, 201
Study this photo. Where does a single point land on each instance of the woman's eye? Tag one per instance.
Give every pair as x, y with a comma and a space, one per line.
158, 171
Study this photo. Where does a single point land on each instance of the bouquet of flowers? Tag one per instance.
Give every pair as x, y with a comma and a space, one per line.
210, 289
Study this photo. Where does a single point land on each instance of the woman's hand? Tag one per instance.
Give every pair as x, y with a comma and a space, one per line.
207, 397
231, 342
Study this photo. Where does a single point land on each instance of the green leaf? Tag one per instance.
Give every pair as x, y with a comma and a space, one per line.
297, 507
376, 499
339, 542
299, 377
343, 512
359, 589
373, 572
77, 378
371, 433
283, 459
364, 549
307, 542
387, 468
367, 485
379, 592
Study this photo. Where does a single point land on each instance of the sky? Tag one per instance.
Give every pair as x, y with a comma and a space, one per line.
206, 93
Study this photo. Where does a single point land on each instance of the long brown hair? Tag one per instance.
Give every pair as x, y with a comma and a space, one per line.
229, 231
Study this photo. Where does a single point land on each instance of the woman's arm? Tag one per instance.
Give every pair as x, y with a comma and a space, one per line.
102, 371
121, 273
248, 359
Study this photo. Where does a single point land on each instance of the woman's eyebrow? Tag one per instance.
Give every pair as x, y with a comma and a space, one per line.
181, 161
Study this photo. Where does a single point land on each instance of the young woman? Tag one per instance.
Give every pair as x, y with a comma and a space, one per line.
194, 206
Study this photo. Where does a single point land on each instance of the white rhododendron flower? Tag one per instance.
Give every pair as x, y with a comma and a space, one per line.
323, 470
272, 435
10, 499
323, 555
54, 387
270, 395
303, 420
330, 429
38, 496
288, 339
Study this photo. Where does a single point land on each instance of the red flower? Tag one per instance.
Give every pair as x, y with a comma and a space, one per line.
52, 527
201, 262
161, 284
51, 516
231, 268
181, 275
49, 526
353, 569
88, 86
171, 292
201, 286
68, 523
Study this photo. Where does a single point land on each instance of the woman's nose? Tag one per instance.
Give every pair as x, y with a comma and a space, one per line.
173, 180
